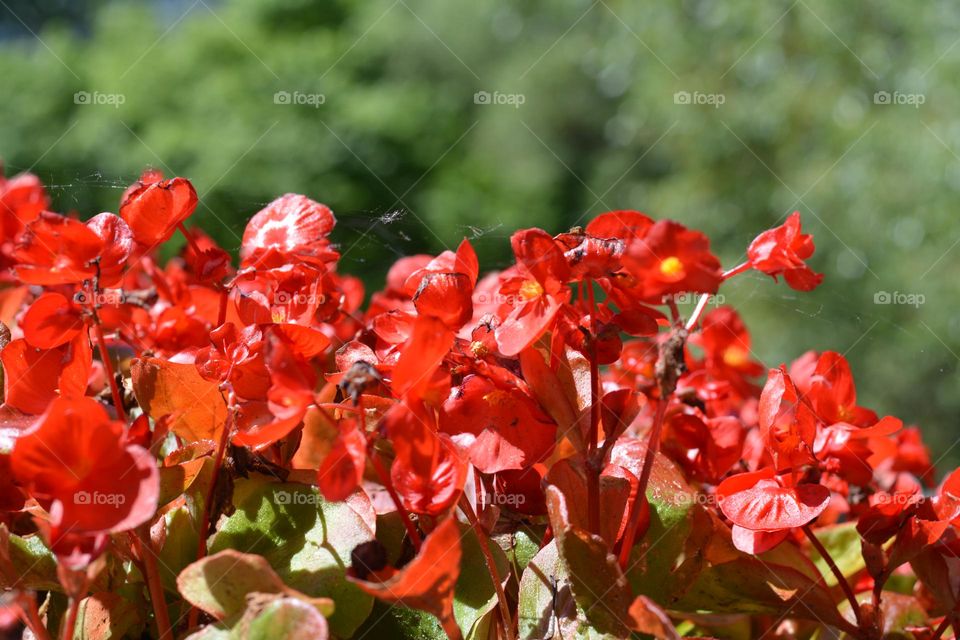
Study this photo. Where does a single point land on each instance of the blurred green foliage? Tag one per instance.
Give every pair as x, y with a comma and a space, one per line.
410, 162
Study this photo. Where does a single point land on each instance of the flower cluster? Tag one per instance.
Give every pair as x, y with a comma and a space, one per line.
545, 451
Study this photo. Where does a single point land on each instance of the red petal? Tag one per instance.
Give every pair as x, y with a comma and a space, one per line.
306, 342
118, 244
467, 262
526, 324
54, 249
342, 469
446, 296
756, 542
427, 582
421, 356
30, 376
50, 322
432, 491
153, 211
512, 432
540, 256
22, 199
291, 224
764, 505
74, 460
619, 224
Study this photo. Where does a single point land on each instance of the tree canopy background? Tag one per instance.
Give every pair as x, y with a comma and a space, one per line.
845, 112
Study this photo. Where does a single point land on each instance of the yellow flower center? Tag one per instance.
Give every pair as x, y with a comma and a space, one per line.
671, 267
734, 356
531, 289
479, 349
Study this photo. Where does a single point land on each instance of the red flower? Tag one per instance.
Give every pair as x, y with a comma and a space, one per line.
118, 244
236, 357
726, 343
782, 251
763, 501
669, 258
153, 210
33, 377
589, 256
508, 428
22, 198
292, 226
51, 321
623, 225
535, 294
342, 469
75, 463
444, 287
427, 471
54, 249
832, 393
788, 425
706, 447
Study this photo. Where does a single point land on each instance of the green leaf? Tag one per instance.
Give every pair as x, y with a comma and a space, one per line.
210, 632
520, 546
659, 565
288, 618
176, 479
34, 566
599, 587
546, 607
474, 594
750, 585
220, 583
899, 612
842, 542
104, 616
179, 546
305, 539
400, 623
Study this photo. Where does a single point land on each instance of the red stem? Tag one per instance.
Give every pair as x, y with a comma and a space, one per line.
491, 565
653, 445
450, 627
737, 270
222, 311
31, 617
207, 508
105, 358
697, 311
186, 234
841, 580
157, 599
70, 622
705, 298
593, 467
384, 476
940, 630
404, 514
